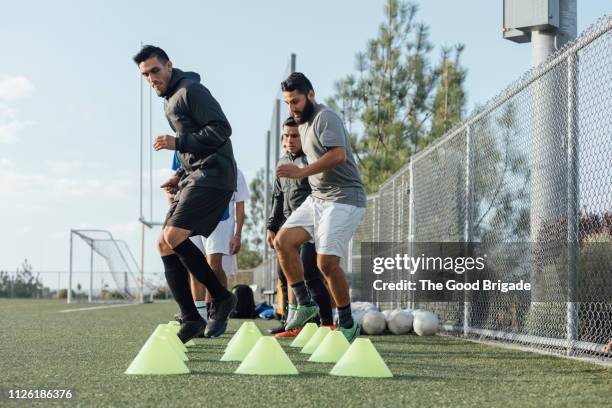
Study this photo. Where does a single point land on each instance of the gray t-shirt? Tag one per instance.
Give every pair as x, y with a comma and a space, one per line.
343, 183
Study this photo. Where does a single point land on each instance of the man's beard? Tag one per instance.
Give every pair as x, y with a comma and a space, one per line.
306, 113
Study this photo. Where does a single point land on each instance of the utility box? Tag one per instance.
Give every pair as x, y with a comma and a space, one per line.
521, 17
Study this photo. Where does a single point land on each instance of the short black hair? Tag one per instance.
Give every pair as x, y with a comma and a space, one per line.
290, 121
149, 51
297, 81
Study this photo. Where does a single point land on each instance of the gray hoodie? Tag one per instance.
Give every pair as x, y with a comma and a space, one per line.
202, 132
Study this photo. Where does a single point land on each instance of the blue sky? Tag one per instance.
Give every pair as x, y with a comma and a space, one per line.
69, 95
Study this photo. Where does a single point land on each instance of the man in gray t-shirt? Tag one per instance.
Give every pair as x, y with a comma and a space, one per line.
333, 211
341, 184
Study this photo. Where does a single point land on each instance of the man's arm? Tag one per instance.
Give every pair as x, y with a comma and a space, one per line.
236, 240
276, 214
334, 157
206, 111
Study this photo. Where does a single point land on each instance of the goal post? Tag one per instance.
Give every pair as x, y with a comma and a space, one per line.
121, 279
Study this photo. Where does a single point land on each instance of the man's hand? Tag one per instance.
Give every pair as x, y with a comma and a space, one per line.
270, 238
170, 186
235, 244
290, 171
165, 142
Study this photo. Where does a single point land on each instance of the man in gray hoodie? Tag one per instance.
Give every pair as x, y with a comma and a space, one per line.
204, 185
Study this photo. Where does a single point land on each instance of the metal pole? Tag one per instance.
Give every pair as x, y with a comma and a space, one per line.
277, 132
141, 144
266, 191
142, 249
548, 152
573, 227
292, 63
90, 296
467, 304
411, 224
69, 293
150, 154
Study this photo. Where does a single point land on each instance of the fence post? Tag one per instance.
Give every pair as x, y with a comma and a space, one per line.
467, 304
411, 224
573, 224
69, 292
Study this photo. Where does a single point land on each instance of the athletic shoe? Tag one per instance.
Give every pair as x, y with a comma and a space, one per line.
190, 329
278, 329
331, 326
290, 333
352, 333
302, 315
219, 313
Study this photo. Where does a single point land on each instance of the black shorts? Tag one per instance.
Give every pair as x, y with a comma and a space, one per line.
198, 209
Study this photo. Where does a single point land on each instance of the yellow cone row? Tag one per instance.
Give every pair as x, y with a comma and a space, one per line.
164, 354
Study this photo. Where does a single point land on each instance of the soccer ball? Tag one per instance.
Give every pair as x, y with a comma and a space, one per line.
387, 314
400, 322
374, 322
425, 323
360, 309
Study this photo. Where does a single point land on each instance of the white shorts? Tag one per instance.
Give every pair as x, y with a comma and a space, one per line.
229, 263
219, 241
330, 225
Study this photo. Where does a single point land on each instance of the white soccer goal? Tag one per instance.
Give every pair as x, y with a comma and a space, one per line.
111, 273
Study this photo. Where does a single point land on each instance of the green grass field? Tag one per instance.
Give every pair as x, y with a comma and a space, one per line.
88, 351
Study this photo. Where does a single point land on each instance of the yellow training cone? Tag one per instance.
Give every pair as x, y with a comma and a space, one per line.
244, 326
315, 340
333, 346
267, 358
240, 345
164, 330
173, 323
177, 350
305, 335
361, 360
158, 358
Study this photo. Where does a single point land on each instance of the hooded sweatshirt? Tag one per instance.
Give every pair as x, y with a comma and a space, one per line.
288, 193
202, 133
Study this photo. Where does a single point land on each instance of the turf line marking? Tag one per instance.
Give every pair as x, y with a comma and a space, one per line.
95, 308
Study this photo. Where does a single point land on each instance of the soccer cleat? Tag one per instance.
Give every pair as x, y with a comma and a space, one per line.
219, 314
190, 329
278, 329
352, 333
290, 333
301, 316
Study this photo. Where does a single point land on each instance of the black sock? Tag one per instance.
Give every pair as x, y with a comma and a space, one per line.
320, 295
301, 294
345, 316
195, 261
177, 277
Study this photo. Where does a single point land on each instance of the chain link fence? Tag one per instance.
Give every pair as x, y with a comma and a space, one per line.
531, 166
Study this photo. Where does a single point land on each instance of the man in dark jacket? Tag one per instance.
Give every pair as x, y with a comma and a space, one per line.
287, 196
204, 185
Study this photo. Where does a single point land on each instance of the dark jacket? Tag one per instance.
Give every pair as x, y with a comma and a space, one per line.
288, 194
202, 132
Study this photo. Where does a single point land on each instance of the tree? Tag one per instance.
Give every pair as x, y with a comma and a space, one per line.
23, 284
388, 106
250, 254
449, 99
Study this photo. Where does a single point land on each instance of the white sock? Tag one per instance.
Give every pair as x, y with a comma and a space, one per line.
202, 309
290, 312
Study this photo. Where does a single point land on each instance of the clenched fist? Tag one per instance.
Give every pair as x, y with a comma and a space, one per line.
165, 142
